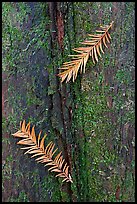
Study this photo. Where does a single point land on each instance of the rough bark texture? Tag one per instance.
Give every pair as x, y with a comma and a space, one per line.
91, 120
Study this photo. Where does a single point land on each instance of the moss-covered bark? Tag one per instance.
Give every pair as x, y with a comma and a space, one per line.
91, 120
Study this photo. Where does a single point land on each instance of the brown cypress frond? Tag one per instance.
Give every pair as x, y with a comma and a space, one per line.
94, 49
44, 154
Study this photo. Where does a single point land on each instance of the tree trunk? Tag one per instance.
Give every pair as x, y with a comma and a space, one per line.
90, 120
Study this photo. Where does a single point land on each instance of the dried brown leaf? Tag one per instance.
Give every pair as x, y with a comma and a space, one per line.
108, 35
98, 51
23, 129
95, 54
92, 54
45, 155
42, 142
101, 47
33, 135
20, 134
56, 170
65, 180
107, 39
94, 49
104, 41
61, 175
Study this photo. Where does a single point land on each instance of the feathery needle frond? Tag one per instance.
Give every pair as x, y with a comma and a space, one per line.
94, 49
44, 154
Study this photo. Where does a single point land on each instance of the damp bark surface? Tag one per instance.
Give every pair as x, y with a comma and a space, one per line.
90, 120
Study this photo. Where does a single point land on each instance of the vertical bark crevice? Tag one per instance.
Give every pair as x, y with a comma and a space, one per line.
58, 107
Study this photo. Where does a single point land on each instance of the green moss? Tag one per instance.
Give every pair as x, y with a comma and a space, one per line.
49, 191
21, 198
55, 191
64, 196
12, 21
7, 169
4, 124
90, 116
128, 188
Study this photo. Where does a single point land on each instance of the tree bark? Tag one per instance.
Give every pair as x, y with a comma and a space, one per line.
90, 120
